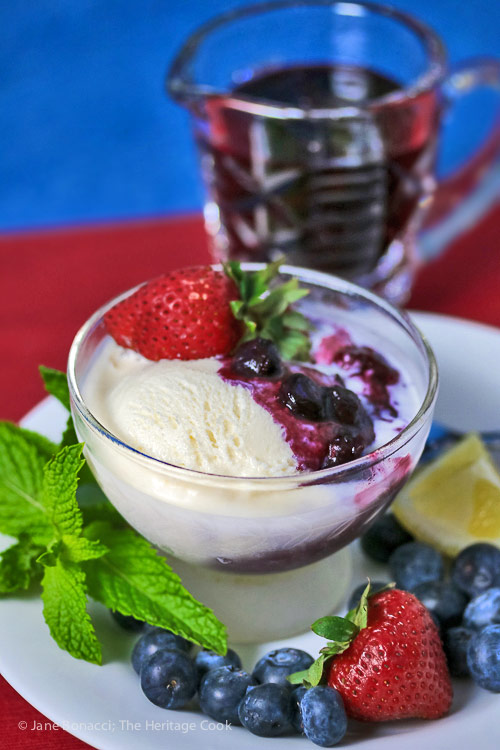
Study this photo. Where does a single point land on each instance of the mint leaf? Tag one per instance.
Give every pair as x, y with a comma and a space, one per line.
69, 435
335, 628
102, 512
65, 611
95, 506
52, 554
18, 567
81, 549
23, 455
133, 579
59, 499
73, 549
56, 384
60, 481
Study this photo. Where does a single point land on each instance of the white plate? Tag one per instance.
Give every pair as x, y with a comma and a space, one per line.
104, 706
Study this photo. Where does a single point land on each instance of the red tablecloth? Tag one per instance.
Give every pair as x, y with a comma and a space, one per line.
50, 282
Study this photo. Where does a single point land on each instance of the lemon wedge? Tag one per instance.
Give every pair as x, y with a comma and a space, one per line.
455, 500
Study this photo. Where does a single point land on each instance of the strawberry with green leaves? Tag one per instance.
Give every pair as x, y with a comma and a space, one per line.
200, 312
385, 658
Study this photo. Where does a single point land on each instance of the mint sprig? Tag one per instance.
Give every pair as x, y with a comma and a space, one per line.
56, 384
135, 580
18, 565
65, 610
340, 633
77, 546
266, 310
23, 455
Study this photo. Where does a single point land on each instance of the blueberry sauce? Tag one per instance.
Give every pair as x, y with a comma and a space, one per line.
310, 407
330, 345
375, 372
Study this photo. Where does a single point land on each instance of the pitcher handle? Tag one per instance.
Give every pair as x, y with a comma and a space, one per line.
464, 78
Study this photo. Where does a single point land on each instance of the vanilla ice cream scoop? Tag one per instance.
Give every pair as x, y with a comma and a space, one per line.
183, 413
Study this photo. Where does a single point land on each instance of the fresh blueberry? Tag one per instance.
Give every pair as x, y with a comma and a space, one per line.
323, 716
483, 658
152, 641
356, 594
181, 643
383, 537
265, 710
295, 699
303, 397
168, 678
206, 660
258, 358
477, 568
221, 692
276, 665
444, 599
341, 405
127, 622
455, 643
483, 610
414, 563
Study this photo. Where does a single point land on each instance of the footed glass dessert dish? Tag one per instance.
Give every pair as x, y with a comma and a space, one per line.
268, 553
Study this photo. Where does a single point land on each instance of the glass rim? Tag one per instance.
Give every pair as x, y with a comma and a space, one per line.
344, 471
184, 91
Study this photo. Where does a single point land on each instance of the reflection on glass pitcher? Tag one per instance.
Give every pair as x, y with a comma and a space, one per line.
317, 124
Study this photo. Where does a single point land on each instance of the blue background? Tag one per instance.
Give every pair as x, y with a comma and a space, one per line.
87, 132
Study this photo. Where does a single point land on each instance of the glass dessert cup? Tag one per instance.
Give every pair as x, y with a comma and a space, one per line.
269, 555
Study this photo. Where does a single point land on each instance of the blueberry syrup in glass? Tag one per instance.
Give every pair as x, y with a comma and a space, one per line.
324, 423
375, 372
314, 410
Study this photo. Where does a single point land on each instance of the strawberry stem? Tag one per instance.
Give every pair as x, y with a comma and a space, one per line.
267, 312
340, 633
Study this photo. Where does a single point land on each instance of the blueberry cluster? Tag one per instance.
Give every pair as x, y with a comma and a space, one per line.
307, 399
465, 606
263, 701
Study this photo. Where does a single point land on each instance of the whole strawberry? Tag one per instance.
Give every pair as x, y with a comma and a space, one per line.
200, 312
184, 314
386, 659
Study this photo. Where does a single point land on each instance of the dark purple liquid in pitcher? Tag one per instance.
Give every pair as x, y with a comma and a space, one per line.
330, 193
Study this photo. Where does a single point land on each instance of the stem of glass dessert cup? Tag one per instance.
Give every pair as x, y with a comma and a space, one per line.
262, 608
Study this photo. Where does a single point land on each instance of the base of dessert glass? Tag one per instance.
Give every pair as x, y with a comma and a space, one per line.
261, 608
